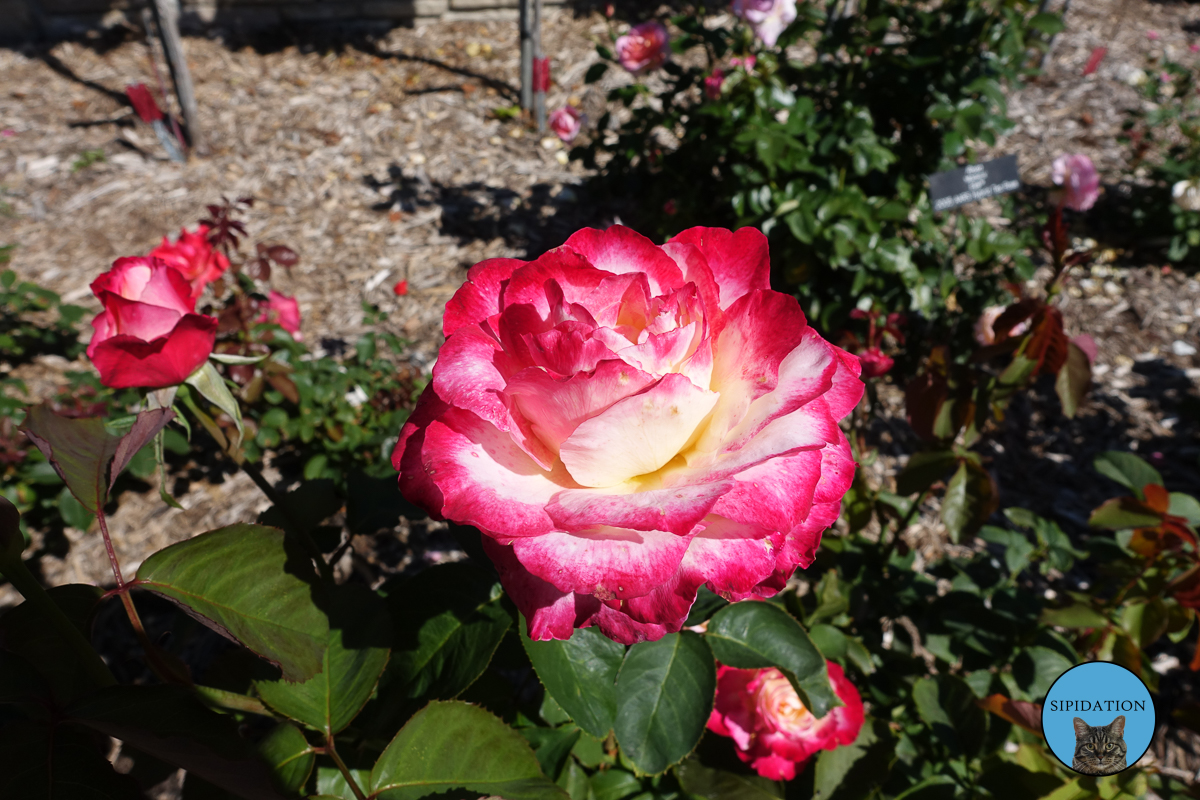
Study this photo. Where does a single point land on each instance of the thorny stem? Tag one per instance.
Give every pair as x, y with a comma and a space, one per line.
331, 751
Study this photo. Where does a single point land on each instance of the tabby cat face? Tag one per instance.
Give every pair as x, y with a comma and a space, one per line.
1099, 750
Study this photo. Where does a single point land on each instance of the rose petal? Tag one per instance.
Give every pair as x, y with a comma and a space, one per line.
605, 562
550, 613
139, 320
620, 250
740, 261
415, 483
637, 435
478, 298
677, 509
127, 362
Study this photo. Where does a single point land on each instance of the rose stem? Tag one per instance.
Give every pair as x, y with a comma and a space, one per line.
331, 751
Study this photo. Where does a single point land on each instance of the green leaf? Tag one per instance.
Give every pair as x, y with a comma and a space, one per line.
24, 632
209, 383
970, 499
614, 784
1121, 513
1037, 668
855, 770
552, 746
72, 511
1127, 470
1075, 616
357, 652
1017, 548
171, 724
595, 72
715, 784
753, 635
1073, 381
38, 761
290, 757
1145, 621
923, 470
581, 675
251, 584
227, 358
665, 694
1186, 506
452, 745
307, 506
447, 622
947, 705
85, 454
1047, 23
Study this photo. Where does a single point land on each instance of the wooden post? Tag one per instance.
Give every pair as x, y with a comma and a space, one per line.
539, 95
527, 54
166, 17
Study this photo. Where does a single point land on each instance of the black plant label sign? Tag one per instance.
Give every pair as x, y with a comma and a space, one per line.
973, 182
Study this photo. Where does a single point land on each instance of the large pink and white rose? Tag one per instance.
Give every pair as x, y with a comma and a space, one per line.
626, 422
767, 18
773, 732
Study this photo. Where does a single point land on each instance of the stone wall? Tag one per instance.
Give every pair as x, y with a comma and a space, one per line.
32, 19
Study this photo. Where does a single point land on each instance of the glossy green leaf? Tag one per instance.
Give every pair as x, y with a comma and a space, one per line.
715, 784
614, 784
209, 383
665, 694
551, 746
85, 454
1128, 470
581, 674
969, 500
1121, 513
357, 652
855, 770
289, 755
449, 745
754, 635
250, 583
1186, 506
1074, 616
947, 705
171, 724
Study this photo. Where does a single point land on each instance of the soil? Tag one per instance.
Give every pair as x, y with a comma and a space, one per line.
385, 160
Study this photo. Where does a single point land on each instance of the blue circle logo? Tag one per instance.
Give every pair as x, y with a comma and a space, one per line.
1098, 718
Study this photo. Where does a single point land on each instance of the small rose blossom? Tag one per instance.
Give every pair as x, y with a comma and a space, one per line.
767, 18
644, 48
985, 333
194, 258
746, 62
772, 730
400, 289
566, 122
626, 422
713, 84
283, 311
1152, 35
148, 335
1186, 194
874, 362
1079, 179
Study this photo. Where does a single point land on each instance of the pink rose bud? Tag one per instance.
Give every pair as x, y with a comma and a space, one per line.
194, 258
767, 18
1079, 179
713, 84
745, 62
626, 422
400, 289
283, 311
148, 335
644, 48
874, 363
985, 333
772, 730
566, 122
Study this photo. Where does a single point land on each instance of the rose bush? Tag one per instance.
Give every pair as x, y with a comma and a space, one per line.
194, 257
772, 730
626, 422
148, 334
